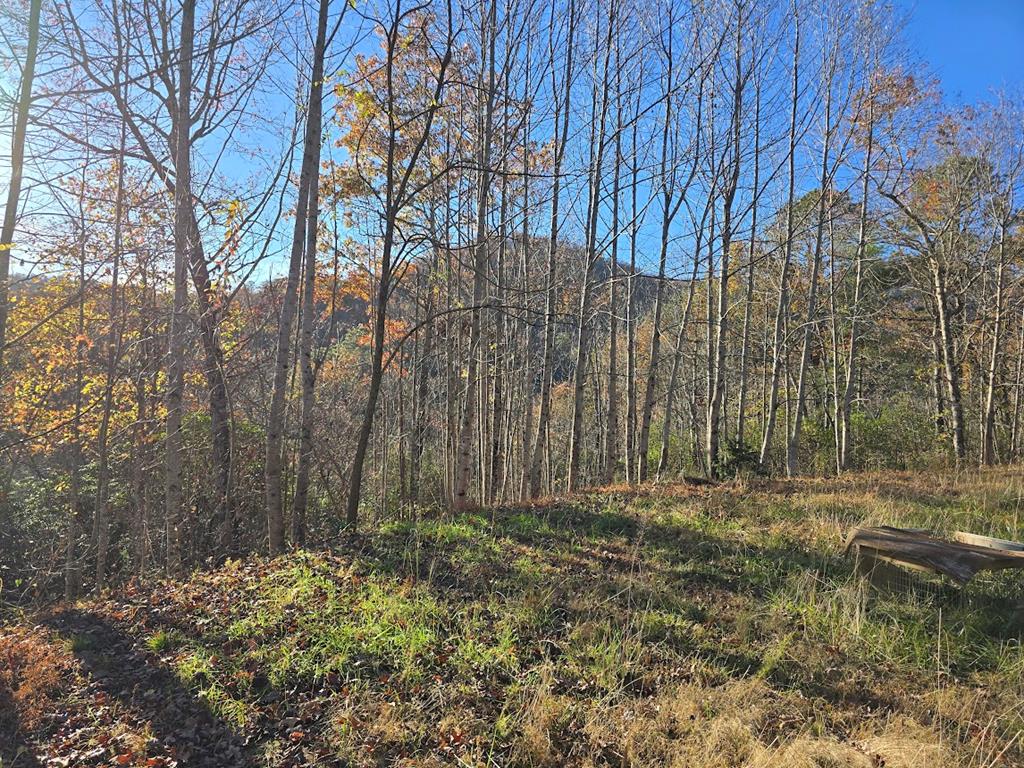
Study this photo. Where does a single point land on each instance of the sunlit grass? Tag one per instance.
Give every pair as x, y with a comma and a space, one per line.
622, 621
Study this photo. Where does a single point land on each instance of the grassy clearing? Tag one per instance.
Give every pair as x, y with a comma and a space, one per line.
673, 626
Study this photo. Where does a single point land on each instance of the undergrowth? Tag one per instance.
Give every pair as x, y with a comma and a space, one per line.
668, 626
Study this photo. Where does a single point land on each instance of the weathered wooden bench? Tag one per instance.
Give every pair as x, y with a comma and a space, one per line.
877, 549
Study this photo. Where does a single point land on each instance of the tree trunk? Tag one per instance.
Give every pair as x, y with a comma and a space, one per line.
376, 375
527, 323
464, 451
102, 523
716, 391
183, 245
824, 206
684, 323
72, 566
845, 436
1018, 381
300, 502
17, 165
561, 131
308, 178
748, 302
948, 360
611, 431
630, 426
783, 305
988, 452
583, 331
668, 212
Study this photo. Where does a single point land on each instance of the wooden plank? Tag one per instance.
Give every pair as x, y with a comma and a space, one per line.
957, 560
987, 541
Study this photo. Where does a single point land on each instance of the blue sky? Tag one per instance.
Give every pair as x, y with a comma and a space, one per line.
972, 45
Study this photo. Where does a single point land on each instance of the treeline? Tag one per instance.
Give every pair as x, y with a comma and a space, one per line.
270, 270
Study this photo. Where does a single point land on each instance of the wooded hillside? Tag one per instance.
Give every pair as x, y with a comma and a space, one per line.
269, 271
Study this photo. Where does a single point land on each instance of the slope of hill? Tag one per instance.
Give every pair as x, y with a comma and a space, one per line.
675, 625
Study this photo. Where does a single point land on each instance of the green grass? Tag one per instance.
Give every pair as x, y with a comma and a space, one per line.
161, 640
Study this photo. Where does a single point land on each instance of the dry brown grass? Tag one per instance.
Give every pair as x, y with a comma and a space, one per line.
809, 752
536, 722
741, 724
33, 669
911, 745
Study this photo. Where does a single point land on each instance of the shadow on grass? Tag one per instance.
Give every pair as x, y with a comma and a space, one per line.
585, 543
15, 750
181, 723
594, 560
596, 550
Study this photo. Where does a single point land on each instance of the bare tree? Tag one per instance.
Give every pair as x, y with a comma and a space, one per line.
309, 175
830, 45
561, 109
731, 184
20, 127
183, 244
783, 304
599, 117
463, 451
400, 188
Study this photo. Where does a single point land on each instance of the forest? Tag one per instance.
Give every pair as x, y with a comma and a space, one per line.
294, 293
